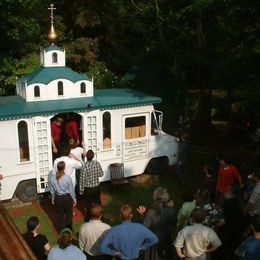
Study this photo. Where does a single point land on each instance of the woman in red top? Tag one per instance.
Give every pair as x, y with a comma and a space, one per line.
227, 174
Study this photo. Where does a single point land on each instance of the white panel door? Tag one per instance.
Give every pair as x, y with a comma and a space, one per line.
43, 152
91, 131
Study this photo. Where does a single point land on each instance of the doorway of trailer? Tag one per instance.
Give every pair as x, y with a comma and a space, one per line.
65, 126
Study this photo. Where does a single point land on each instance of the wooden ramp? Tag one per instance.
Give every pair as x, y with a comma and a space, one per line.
12, 244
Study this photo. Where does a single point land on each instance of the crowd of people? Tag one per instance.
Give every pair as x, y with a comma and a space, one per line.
220, 219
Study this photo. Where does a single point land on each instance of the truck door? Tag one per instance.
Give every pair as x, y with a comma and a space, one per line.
43, 152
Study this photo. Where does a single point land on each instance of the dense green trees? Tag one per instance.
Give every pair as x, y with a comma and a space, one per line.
206, 44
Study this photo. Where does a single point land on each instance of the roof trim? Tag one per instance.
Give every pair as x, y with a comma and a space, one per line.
13, 107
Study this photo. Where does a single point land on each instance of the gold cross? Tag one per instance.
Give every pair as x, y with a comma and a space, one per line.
52, 8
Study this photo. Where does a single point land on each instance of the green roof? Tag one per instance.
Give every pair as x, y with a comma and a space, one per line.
53, 47
12, 107
47, 74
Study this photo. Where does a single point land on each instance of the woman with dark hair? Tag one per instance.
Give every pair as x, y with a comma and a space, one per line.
37, 242
62, 196
65, 250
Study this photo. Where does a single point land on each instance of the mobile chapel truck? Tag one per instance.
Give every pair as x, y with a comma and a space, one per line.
119, 125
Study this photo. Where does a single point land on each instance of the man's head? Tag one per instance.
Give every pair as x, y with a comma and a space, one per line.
208, 170
198, 215
126, 212
225, 161
256, 176
96, 211
65, 150
32, 223
59, 121
184, 137
160, 194
90, 155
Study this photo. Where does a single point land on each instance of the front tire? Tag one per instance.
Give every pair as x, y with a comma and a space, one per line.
157, 165
26, 191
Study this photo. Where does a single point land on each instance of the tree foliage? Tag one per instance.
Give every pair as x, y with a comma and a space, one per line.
206, 44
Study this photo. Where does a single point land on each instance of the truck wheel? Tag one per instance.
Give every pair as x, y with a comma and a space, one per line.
26, 191
156, 166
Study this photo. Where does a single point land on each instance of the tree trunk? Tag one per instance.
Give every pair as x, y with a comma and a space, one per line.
205, 102
203, 81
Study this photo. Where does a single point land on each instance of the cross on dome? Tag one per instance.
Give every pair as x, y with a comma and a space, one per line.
52, 36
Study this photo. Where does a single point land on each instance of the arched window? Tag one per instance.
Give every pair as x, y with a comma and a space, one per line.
106, 119
36, 91
83, 88
54, 58
60, 88
23, 141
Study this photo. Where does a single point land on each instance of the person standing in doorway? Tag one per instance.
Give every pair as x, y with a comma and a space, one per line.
183, 156
56, 125
72, 128
91, 171
62, 196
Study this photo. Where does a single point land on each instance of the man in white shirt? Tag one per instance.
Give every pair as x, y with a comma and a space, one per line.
91, 233
71, 165
197, 240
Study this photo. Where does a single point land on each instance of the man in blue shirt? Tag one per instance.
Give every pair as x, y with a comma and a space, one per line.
127, 239
250, 248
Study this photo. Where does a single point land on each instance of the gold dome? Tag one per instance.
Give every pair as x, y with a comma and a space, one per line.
52, 36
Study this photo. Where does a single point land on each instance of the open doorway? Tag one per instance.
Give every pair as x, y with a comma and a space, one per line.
63, 127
